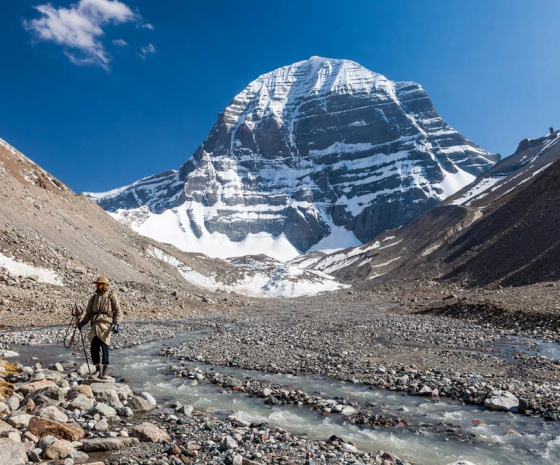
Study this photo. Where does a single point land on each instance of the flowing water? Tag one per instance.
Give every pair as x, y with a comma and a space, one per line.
501, 438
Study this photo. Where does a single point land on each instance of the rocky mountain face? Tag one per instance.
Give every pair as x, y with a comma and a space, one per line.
501, 229
317, 155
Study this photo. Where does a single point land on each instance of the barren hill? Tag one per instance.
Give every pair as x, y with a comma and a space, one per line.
54, 243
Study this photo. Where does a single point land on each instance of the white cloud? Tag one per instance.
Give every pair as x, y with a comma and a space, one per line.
120, 43
147, 26
147, 50
79, 28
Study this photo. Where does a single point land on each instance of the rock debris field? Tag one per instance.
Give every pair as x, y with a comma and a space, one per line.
58, 413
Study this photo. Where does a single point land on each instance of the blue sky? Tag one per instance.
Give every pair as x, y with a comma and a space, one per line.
99, 114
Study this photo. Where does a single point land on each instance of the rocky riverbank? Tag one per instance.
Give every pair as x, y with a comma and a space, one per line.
417, 355
131, 334
60, 415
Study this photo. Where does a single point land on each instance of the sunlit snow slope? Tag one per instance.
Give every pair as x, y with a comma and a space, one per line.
319, 155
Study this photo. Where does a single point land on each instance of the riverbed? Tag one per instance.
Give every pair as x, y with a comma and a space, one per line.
494, 437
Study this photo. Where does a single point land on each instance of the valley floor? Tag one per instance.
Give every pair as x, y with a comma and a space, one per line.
431, 343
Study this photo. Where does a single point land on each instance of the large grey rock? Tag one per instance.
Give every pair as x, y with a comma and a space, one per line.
81, 402
12, 402
58, 450
101, 444
4, 426
4, 409
19, 420
53, 413
104, 410
79, 457
308, 147
139, 404
12, 453
148, 432
149, 398
502, 400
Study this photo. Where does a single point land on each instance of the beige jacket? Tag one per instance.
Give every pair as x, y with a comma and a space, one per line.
103, 310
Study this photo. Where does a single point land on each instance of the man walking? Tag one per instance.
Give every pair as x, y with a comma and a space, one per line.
104, 313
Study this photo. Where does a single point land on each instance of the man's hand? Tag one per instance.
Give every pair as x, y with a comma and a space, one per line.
116, 328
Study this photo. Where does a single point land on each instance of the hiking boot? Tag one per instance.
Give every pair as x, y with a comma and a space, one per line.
97, 373
104, 373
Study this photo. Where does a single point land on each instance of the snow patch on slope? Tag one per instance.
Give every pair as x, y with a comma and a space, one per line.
174, 227
41, 275
259, 277
478, 191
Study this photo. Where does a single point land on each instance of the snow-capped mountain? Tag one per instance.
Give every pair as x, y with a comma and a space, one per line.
318, 155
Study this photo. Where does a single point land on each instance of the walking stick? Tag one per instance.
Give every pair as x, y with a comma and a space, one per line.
70, 338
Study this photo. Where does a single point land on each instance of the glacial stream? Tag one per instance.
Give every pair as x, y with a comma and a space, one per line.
501, 438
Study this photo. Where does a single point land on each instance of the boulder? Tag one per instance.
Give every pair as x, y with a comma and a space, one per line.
502, 400
425, 391
101, 444
13, 402
348, 411
148, 432
8, 354
20, 420
110, 396
104, 410
149, 398
139, 404
45, 442
98, 388
4, 426
27, 388
58, 450
4, 409
228, 443
42, 427
81, 402
12, 434
80, 457
84, 370
12, 453
347, 447
81, 389
53, 413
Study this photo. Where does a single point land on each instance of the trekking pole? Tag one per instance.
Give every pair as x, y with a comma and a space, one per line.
70, 338
85, 352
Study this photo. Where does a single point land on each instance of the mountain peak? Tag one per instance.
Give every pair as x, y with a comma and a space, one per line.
316, 155
315, 76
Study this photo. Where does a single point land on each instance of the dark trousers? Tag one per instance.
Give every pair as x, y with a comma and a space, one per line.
97, 344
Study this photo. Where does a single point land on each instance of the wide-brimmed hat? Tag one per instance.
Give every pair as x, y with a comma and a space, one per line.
101, 280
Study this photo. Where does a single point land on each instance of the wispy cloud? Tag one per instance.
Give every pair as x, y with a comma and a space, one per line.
120, 43
147, 26
147, 50
79, 28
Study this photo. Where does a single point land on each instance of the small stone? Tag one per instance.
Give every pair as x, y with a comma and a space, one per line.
228, 443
